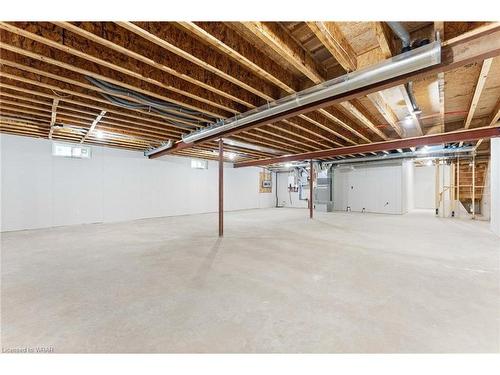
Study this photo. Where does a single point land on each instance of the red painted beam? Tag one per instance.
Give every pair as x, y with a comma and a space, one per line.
311, 187
456, 136
221, 188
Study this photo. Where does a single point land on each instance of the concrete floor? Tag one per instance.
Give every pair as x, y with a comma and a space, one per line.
277, 282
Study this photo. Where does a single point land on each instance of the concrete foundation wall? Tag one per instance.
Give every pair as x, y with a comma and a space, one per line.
39, 190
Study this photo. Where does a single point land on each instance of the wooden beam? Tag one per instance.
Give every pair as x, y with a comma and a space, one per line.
276, 38
116, 124
232, 44
483, 75
495, 117
92, 127
141, 30
439, 31
383, 35
355, 110
55, 102
460, 135
379, 101
338, 118
335, 42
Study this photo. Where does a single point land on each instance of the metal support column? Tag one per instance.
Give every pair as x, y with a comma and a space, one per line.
437, 200
452, 188
311, 177
221, 188
474, 185
458, 181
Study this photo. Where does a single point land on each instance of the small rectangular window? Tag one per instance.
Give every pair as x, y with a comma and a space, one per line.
71, 151
199, 164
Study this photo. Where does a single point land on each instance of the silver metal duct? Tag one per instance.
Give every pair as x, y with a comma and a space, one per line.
431, 153
398, 29
404, 35
404, 63
164, 146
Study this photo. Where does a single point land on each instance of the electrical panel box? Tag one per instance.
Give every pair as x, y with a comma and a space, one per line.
265, 182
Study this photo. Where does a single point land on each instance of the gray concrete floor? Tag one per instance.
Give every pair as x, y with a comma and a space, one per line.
277, 282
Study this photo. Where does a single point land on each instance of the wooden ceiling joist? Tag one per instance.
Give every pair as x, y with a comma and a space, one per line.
494, 118
219, 64
160, 45
483, 75
89, 65
330, 35
277, 39
139, 117
229, 42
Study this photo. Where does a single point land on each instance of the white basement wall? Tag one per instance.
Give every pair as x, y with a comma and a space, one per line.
425, 186
495, 185
374, 187
289, 199
39, 190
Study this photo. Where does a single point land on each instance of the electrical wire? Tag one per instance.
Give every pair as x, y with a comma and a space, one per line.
148, 103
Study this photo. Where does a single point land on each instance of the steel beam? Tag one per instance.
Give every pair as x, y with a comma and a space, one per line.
434, 139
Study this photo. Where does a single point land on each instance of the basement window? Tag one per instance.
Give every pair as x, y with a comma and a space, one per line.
199, 164
71, 151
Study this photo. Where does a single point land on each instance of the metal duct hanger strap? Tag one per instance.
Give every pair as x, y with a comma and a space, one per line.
399, 65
